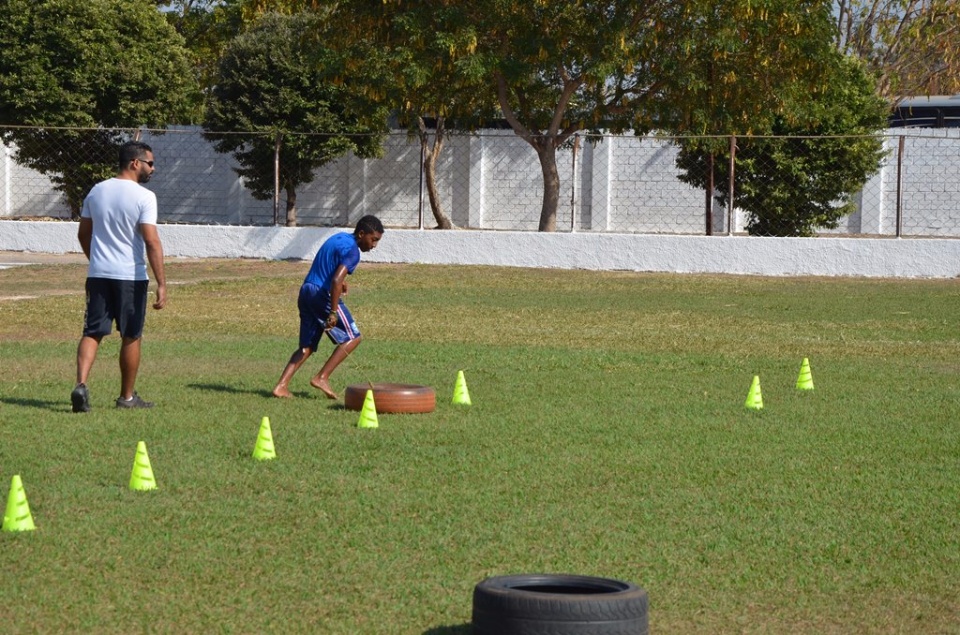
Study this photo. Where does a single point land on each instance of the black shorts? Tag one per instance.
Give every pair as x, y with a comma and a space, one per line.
120, 301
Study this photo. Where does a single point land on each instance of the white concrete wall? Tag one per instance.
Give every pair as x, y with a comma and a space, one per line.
623, 184
898, 258
26, 192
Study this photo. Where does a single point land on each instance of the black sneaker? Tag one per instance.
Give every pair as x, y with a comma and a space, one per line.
134, 402
80, 397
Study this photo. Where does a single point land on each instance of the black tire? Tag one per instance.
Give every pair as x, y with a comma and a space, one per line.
540, 604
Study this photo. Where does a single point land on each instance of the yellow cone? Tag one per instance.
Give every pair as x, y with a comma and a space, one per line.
754, 399
18, 516
460, 393
805, 379
264, 450
141, 478
368, 414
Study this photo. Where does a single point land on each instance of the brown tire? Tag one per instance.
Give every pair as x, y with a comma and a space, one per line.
392, 398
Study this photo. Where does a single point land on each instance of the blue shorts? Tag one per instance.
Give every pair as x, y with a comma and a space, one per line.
120, 301
314, 305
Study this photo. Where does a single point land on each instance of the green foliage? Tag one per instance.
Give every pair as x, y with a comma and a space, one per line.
806, 178
561, 67
556, 68
733, 65
911, 46
206, 26
418, 58
99, 64
279, 81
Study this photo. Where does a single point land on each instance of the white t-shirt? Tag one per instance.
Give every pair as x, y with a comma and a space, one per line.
117, 207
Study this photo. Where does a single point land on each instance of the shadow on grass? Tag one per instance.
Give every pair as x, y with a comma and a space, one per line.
461, 629
234, 389
56, 406
334, 405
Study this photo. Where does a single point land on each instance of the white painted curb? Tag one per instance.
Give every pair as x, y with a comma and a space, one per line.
822, 256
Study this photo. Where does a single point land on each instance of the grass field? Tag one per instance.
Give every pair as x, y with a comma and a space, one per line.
607, 436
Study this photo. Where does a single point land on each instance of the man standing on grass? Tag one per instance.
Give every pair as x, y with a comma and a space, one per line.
119, 221
321, 304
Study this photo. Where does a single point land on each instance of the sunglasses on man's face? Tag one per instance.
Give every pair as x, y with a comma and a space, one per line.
150, 163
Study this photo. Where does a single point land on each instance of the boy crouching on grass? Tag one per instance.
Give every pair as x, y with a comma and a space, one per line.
321, 304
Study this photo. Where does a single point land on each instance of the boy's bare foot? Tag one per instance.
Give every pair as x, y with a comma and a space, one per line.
324, 386
282, 392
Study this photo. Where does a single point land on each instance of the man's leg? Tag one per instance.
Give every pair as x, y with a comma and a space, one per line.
296, 361
322, 380
129, 365
86, 355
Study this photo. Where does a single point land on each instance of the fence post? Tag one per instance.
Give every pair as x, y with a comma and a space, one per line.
573, 184
730, 190
900, 147
708, 203
276, 180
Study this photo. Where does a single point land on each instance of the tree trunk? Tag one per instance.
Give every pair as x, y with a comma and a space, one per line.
291, 205
430, 157
551, 185
546, 150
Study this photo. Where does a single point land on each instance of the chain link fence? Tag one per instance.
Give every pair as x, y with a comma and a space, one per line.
493, 180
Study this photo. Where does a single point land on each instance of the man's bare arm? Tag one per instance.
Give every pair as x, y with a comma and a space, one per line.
151, 239
85, 235
336, 290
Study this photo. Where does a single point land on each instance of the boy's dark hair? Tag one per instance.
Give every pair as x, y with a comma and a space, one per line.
132, 150
368, 224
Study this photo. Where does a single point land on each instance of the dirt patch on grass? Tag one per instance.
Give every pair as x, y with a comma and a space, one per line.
33, 275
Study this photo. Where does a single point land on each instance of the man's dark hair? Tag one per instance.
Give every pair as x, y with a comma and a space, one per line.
132, 150
368, 224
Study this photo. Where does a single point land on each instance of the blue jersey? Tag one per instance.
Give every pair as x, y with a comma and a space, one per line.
339, 249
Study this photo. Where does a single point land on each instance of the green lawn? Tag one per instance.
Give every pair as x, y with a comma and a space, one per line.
607, 436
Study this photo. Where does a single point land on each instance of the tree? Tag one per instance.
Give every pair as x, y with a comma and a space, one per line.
418, 57
558, 67
911, 46
660, 68
94, 64
561, 67
806, 176
277, 90
206, 26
